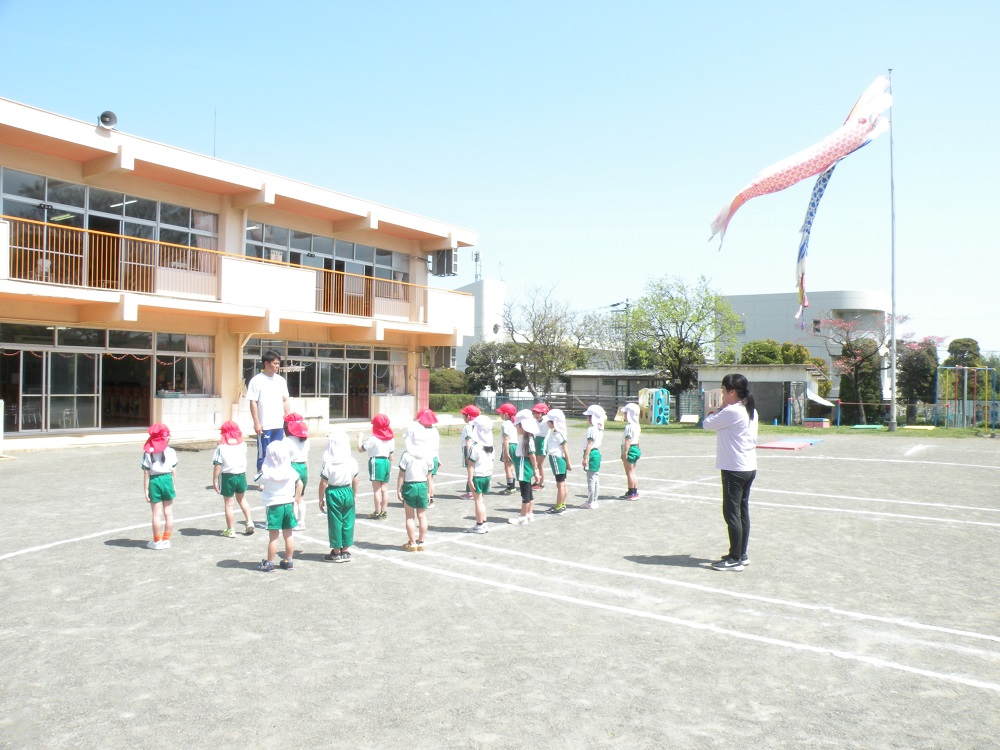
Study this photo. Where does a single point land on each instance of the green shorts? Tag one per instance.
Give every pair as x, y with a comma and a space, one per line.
379, 469
303, 471
594, 462
558, 464
231, 485
634, 454
481, 485
281, 517
540, 445
415, 494
511, 450
161, 487
434, 469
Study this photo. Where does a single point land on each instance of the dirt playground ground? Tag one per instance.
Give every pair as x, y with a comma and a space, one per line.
869, 616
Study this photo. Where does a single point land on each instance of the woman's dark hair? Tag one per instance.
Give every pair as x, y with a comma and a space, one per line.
736, 382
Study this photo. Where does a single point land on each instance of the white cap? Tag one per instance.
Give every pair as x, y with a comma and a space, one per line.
527, 421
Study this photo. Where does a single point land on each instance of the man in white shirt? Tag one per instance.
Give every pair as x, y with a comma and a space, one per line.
267, 393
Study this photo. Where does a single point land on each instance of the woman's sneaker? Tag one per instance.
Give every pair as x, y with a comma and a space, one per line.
727, 563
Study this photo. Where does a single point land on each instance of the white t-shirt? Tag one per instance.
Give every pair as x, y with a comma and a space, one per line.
631, 434
597, 435
298, 449
269, 392
555, 443
509, 431
159, 463
414, 469
379, 448
482, 462
342, 474
279, 491
735, 438
232, 458
543, 428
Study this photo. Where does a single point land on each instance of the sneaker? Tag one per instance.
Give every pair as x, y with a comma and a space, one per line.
153, 545
474, 529
430, 503
251, 528
518, 520
557, 510
286, 564
744, 561
466, 496
383, 515
727, 563
332, 557
345, 556
589, 506
630, 495
409, 547
165, 544
529, 518
228, 533
266, 566
257, 476
507, 491
420, 545
375, 515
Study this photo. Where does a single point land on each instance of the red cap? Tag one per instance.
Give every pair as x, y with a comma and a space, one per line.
426, 417
509, 409
381, 428
471, 411
159, 436
231, 433
296, 426
540, 408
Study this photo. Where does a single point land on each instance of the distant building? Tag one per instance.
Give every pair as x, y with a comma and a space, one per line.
490, 297
772, 316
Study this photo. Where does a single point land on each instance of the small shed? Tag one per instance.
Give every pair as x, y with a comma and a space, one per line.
613, 384
786, 393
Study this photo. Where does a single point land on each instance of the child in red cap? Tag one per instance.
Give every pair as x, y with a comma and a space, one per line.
158, 462
380, 447
468, 413
297, 437
508, 434
229, 476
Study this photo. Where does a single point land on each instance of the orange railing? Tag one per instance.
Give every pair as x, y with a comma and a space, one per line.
70, 256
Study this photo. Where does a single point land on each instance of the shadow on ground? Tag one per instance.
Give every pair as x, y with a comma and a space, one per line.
677, 561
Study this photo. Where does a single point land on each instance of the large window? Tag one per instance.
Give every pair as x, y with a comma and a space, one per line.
191, 371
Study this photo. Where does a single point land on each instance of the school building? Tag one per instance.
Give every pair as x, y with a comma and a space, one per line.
141, 283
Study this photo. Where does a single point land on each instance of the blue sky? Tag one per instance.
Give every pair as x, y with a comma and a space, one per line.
589, 144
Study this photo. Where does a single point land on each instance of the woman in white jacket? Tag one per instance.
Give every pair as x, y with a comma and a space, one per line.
735, 427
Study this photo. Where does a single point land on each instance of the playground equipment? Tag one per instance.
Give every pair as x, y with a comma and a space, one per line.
654, 405
951, 397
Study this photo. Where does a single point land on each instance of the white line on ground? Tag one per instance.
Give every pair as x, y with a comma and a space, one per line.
715, 629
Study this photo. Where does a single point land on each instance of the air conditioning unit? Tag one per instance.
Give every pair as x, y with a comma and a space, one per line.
444, 263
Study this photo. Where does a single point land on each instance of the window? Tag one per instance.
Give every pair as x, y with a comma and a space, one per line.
190, 374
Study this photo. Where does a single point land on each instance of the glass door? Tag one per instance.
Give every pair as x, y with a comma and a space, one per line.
73, 392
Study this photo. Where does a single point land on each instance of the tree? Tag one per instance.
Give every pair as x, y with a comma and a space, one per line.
794, 354
916, 373
675, 326
545, 336
493, 364
964, 353
761, 352
855, 346
825, 386
447, 380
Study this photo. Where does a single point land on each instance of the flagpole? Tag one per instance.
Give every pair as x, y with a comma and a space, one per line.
892, 322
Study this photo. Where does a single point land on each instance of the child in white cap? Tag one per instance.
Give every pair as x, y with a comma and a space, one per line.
338, 486
281, 483
527, 428
596, 416
559, 460
630, 450
480, 468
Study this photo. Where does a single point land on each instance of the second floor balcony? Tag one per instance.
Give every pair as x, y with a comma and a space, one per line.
48, 253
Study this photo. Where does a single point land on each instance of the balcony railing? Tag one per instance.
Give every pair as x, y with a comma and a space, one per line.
69, 256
